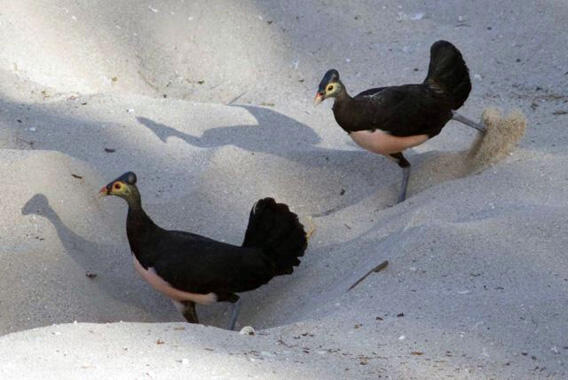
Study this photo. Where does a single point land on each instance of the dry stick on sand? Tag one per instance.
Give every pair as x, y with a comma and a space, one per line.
378, 268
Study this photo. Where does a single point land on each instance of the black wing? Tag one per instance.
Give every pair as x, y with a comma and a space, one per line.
400, 110
371, 91
197, 264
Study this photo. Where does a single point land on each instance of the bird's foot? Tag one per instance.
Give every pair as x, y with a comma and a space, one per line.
187, 309
401, 197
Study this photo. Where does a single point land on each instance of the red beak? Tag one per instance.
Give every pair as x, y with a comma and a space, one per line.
318, 99
103, 191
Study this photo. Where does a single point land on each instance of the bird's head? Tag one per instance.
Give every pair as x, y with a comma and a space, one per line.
329, 87
124, 187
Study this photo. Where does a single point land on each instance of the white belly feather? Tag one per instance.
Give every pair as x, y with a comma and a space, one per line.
384, 143
165, 288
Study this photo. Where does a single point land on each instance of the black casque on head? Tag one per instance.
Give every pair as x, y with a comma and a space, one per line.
329, 77
128, 177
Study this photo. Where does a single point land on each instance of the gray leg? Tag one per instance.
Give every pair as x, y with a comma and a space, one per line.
462, 119
405, 166
187, 309
404, 185
234, 315
189, 313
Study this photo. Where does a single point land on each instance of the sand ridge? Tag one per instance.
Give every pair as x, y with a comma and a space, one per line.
210, 104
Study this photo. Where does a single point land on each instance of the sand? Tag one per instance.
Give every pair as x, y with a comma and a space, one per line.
210, 103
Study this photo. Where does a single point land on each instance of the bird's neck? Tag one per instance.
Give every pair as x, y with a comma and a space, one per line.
341, 109
132, 197
342, 97
341, 104
138, 221
140, 230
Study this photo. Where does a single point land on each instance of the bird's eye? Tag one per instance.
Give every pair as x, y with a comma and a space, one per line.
117, 186
330, 88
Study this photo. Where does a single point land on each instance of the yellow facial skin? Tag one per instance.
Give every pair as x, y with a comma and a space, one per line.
123, 187
117, 188
331, 90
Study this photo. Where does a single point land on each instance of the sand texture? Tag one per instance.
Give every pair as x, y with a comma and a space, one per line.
210, 103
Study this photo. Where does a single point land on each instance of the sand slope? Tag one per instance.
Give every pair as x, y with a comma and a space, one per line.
211, 106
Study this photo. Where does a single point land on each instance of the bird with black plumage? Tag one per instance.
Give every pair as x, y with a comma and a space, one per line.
389, 120
192, 269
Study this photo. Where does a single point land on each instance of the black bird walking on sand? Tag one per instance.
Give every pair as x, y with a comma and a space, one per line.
388, 120
190, 268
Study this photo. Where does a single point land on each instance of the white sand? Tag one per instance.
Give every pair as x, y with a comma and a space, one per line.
478, 263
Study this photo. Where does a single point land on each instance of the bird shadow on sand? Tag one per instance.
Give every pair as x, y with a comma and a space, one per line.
113, 276
342, 177
275, 134
322, 180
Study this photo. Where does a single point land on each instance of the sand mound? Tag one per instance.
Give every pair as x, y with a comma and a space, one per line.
477, 278
63, 260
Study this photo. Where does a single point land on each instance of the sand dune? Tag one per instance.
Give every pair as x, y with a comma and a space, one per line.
210, 104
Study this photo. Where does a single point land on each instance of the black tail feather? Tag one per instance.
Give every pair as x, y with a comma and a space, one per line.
448, 73
277, 230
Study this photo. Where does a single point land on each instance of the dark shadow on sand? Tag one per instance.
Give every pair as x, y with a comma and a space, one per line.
359, 172
93, 257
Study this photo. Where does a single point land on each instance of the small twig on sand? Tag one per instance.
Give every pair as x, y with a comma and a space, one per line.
236, 98
378, 268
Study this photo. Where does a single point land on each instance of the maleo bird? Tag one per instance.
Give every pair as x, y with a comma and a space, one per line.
388, 120
190, 268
